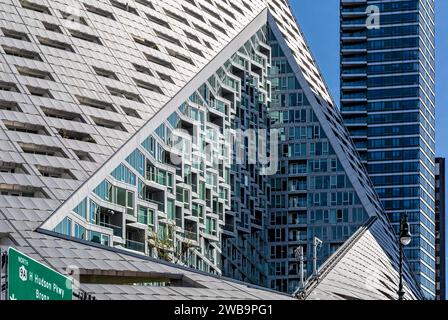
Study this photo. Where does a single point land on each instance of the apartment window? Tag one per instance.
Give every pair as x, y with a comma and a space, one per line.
177, 17
339, 215
123, 6
145, 42
10, 106
195, 50
51, 27
12, 167
230, 24
219, 28
180, 56
236, 8
8, 86
42, 150
15, 190
83, 156
130, 202
143, 69
211, 12
59, 173
75, 135
159, 61
247, 5
25, 127
192, 36
96, 103
55, 44
193, 14
62, 114
15, 34
40, 92
22, 53
73, 18
105, 73
191, 2
124, 94
80, 232
158, 21
148, 86
165, 77
145, 3
85, 36
168, 38
110, 124
225, 10
204, 31
208, 45
34, 73
35, 7
99, 12
131, 112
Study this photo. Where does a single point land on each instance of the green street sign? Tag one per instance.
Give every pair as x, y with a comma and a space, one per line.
31, 280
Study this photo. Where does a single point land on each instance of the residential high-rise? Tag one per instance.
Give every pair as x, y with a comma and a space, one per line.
179, 135
440, 229
388, 105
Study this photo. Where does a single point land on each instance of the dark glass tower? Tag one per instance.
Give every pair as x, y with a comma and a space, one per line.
387, 101
440, 230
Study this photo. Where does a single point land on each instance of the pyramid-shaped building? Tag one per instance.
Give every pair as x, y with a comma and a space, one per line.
190, 141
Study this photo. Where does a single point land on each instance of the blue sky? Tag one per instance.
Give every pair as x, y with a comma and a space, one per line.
319, 20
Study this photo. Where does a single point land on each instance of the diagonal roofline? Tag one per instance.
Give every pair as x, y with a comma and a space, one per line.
148, 128
342, 156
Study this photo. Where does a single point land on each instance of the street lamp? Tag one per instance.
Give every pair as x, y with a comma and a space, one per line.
405, 239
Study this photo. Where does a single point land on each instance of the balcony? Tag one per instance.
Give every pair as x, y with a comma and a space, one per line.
118, 231
298, 187
190, 235
135, 245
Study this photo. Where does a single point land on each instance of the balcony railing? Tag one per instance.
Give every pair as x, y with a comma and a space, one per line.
160, 205
135, 245
116, 229
191, 235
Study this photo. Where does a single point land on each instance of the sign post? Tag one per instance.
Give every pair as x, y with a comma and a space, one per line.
31, 280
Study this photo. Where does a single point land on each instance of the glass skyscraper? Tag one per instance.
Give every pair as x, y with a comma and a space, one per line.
148, 139
388, 105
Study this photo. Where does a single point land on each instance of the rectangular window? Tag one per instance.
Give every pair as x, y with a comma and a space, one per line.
35, 7
109, 124
80, 232
124, 94
105, 73
8, 86
145, 42
158, 21
64, 227
62, 114
170, 209
85, 36
123, 6
22, 53
145, 3
148, 86
73, 18
55, 44
15, 34
99, 11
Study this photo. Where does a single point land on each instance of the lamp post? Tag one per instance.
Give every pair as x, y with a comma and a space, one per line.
317, 243
405, 239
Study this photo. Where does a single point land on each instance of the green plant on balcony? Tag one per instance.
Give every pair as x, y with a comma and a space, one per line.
164, 244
